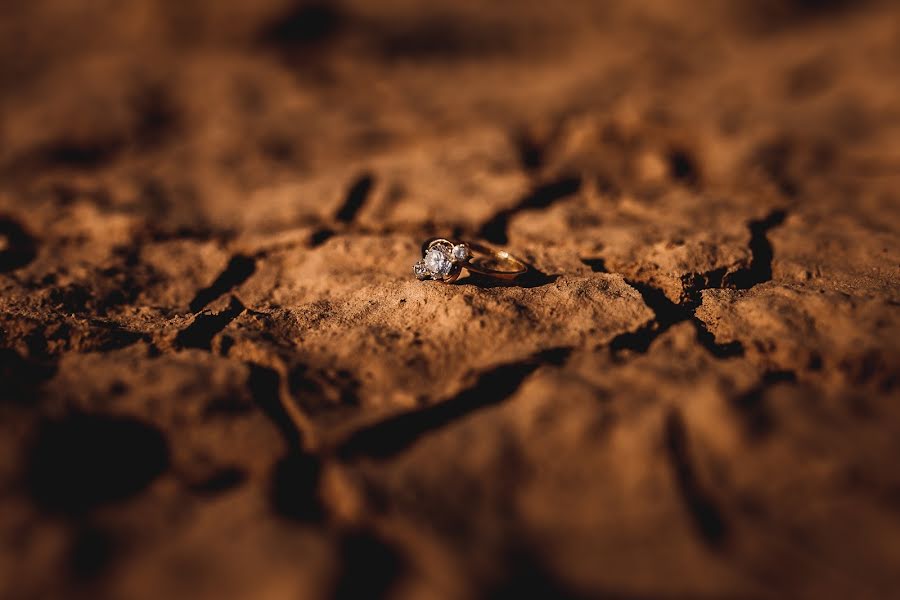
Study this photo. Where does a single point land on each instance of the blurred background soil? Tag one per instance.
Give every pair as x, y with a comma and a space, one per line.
219, 379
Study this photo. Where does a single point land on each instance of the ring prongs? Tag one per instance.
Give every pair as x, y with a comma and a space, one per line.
442, 260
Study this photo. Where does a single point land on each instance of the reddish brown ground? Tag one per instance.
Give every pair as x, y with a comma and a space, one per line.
220, 380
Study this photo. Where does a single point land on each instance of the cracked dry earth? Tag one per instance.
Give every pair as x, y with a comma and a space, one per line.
220, 379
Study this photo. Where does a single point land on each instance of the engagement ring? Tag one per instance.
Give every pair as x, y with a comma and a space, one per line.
443, 260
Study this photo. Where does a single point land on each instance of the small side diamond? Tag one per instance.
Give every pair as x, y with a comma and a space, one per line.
460, 253
420, 270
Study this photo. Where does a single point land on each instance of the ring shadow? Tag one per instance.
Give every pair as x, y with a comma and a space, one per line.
531, 278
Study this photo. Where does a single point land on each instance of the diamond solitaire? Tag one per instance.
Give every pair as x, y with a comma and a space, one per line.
442, 261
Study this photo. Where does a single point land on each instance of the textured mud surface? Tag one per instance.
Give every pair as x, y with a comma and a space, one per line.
220, 380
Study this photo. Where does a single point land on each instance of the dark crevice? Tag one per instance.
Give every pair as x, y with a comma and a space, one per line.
370, 566
264, 385
304, 25
22, 377
682, 167
356, 197
391, 436
694, 284
766, 17
531, 151
320, 236
114, 337
295, 478
17, 246
667, 314
530, 279
534, 143
706, 339
637, 341
205, 326
752, 407
92, 552
495, 229
84, 154
222, 480
706, 516
524, 575
295, 487
760, 269
84, 461
239, 270
597, 265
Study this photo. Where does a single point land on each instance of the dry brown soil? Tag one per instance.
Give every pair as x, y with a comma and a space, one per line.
220, 379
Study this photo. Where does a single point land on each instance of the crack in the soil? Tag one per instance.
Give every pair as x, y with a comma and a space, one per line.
371, 567
532, 152
296, 483
356, 197
296, 475
17, 246
343, 220
693, 284
23, 377
264, 384
533, 145
394, 434
239, 270
495, 229
707, 517
752, 408
762, 253
81, 461
683, 167
597, 265
706, 339
320, 236
668, 313
524, 574
205, 326
295, 480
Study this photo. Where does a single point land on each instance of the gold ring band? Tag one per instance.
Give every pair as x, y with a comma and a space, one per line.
499, 264
444, 260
